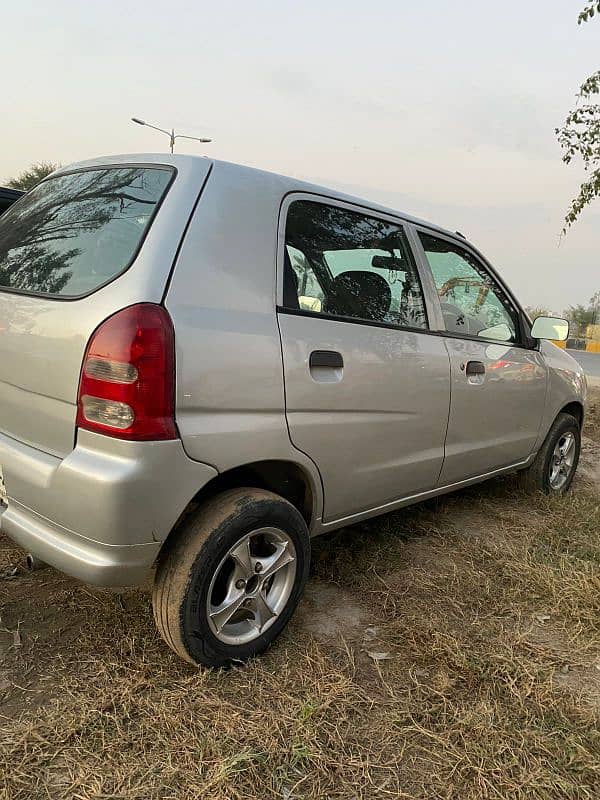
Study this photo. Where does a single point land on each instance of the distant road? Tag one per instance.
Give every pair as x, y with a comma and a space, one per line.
589, 361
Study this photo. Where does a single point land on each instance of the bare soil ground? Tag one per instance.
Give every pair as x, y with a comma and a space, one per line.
448, 651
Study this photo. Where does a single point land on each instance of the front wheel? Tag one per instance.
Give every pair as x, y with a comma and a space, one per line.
230, 580
555, 465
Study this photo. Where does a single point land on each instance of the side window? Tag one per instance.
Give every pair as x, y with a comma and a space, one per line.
344, 264
472, 302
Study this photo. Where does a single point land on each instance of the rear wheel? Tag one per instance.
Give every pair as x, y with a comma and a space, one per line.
230, 580
555, 465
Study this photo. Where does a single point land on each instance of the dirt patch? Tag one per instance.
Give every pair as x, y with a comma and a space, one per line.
331, 614
592, 423
577, 671
589, 464
583, 682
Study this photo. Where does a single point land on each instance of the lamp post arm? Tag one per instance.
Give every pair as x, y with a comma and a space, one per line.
195, 138
162, 130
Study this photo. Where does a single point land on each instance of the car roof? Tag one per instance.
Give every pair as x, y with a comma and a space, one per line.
187, 162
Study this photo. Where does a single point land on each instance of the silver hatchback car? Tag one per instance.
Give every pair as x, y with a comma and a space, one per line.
203, 365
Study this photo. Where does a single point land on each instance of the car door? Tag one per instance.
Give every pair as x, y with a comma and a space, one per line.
498, 383
367, 387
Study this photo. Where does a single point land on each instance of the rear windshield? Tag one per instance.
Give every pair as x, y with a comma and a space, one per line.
74, 233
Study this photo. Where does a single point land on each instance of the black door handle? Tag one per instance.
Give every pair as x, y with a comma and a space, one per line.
326, 358
475, 368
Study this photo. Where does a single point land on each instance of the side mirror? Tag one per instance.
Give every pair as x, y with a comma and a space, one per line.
550, 328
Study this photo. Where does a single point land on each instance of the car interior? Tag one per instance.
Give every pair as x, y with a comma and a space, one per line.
354, 293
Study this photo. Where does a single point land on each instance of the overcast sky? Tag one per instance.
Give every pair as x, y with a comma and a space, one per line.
444, 109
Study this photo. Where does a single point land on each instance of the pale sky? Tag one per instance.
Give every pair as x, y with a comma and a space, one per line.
444, 109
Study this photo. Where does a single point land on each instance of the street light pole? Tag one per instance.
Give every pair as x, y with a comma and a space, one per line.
171, 134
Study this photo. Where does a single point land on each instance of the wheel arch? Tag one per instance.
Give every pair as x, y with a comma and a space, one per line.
286, 478
575, 409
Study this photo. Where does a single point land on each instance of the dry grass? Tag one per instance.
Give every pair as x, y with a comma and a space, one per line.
487, 602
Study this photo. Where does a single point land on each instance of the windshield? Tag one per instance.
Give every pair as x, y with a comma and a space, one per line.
75, 232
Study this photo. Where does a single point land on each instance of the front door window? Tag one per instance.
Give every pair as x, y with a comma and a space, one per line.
473, 304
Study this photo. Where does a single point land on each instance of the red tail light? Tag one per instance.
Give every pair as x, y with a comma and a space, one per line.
127, 383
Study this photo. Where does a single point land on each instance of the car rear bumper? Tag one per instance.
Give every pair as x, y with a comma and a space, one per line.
101, 513
90, 561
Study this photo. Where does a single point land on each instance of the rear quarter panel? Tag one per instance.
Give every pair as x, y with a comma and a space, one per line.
230, 405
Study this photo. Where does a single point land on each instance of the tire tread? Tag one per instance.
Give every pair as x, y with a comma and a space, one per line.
177, 561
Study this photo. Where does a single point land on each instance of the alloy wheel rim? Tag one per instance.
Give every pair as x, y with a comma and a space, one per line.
562, 461
251, 586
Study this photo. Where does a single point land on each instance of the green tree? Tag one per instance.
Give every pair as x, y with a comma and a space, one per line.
537, 311
580, 316
29, 178
580, 135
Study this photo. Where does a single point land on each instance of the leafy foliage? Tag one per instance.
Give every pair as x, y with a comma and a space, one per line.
537, 311
580, 316
588, 12
32, 176
580, 135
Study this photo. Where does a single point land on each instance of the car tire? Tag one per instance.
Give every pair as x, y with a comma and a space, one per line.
243, 547
542, 474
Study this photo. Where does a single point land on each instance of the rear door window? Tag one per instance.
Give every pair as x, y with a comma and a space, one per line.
351, 266
76, 232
